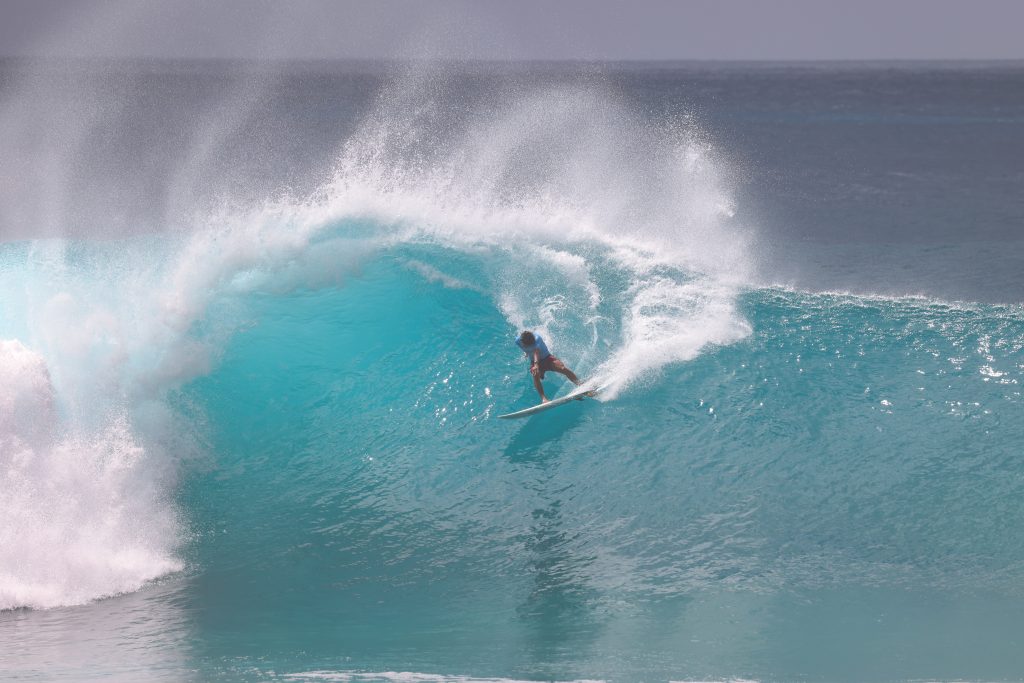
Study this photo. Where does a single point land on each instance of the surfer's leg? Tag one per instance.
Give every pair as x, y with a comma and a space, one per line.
540, 388
559, 367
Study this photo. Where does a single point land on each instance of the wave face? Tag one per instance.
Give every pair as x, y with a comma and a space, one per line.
287, 412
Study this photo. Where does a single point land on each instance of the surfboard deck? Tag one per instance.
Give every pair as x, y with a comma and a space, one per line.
579, 392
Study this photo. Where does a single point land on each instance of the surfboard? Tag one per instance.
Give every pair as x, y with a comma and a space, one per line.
579, 392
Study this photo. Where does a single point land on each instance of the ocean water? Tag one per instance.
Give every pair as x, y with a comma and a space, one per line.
256, 327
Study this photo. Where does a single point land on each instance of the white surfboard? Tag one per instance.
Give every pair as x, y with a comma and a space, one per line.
578, 392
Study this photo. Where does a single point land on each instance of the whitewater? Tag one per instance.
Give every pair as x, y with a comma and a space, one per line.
253, 436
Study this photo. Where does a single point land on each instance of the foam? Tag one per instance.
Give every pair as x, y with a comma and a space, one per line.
671, 322
83, 518
26, 404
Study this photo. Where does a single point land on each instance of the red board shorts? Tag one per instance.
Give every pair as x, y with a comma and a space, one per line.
549, 363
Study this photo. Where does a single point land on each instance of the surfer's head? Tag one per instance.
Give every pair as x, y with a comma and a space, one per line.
527, 338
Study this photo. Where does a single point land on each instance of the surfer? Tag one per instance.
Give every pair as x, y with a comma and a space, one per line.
542, 360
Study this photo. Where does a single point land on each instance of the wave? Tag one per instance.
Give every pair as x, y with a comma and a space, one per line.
369, 323
573, 216
849, 394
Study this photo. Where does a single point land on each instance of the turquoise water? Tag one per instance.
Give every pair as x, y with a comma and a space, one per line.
831, 496
266, 447
846, 473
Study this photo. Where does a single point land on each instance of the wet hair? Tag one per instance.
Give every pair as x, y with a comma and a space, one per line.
527, 338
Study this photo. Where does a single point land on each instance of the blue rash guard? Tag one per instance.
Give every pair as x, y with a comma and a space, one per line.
538, 344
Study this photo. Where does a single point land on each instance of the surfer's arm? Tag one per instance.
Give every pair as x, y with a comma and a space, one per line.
535, 362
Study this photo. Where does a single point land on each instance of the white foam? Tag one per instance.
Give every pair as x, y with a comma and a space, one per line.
82, 515
670, 322
26, 402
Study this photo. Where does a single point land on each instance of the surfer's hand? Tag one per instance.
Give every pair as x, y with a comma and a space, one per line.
534, 369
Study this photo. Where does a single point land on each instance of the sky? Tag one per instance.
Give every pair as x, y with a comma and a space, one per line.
514, 29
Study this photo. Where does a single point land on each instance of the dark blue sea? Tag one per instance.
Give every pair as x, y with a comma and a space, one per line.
257, 323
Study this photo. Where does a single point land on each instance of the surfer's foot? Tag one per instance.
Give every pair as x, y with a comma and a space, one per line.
544, 399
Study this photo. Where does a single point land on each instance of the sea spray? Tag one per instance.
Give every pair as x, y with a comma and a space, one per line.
82, 518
